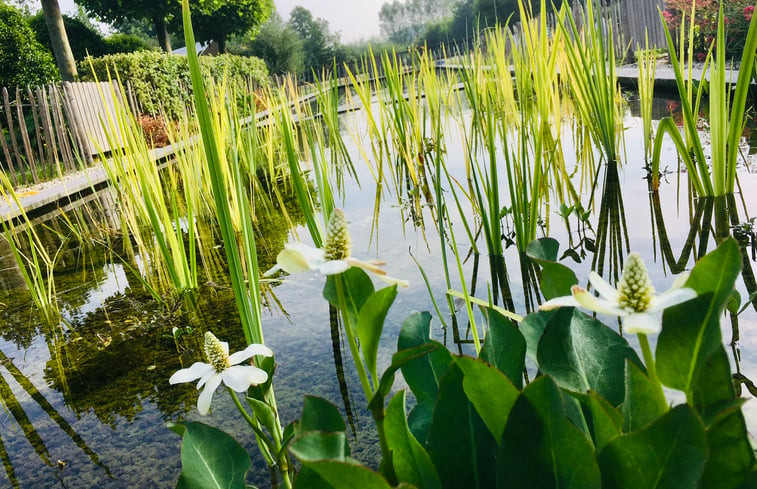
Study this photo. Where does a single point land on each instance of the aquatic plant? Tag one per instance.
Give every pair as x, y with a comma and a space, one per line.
725, 127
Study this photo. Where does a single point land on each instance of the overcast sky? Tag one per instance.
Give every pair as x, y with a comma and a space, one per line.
354, 19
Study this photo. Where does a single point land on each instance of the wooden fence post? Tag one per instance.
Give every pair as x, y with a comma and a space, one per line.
12, 134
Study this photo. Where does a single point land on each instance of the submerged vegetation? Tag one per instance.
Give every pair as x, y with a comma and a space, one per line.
482, 151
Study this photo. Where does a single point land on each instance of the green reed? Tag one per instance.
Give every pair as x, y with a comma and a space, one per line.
647, 63
727, 109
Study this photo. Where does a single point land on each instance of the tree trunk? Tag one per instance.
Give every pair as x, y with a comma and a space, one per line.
221, 41
63, 56
163, 38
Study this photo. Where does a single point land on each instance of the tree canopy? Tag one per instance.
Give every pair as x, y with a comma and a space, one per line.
23, 60
216, 20
278, 45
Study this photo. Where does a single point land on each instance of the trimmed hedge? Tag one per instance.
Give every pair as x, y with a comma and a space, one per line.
161, 81
23, 61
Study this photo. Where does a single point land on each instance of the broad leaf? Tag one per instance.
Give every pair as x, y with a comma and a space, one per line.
541, 447
639, 406
320, 445
556, 279
211, 459
345, 475
410, 460
691, 331
532, 327
358, 287
459, 443
505, 347
422, 374
582, 354
479, 383
318, 414
670, 453
731, 455
603, 421
370, 324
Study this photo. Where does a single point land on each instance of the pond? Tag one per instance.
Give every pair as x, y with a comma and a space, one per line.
87, 398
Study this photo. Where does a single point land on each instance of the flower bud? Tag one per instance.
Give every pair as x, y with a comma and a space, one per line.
216, 354
338, 244
635, 290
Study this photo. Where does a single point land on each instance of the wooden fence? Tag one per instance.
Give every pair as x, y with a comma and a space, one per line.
53, 129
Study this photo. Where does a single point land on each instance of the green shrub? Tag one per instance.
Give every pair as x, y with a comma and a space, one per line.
160, 81
81, 37
126, 43
23, 60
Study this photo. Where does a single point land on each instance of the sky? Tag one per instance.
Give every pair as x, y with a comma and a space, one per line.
353, 19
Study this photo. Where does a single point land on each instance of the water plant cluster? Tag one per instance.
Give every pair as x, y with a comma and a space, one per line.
550, 395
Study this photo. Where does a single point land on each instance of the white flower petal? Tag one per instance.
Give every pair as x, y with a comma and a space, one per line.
196, 371
241, 377
206, 377
564, 301
333, 267
249, 352
292, 262
602, 286
642, 323
394, 281
272, 271
680, 281
671, 297
313, 256
365, 265
225, 346
203, 401
597, 304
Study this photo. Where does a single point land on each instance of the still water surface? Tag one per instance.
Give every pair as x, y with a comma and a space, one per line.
87, 400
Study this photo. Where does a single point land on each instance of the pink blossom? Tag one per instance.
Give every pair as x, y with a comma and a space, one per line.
748, 12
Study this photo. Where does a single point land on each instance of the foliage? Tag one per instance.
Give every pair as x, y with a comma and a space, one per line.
738, 14
319, 44
82, 38
23, 60
404, 22
277, 44
160, 81
585, 421
216, 19
126, 43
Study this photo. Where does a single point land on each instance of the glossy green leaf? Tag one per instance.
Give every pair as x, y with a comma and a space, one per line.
320, 445
422, 374
370, 324
691, 331
532, 327
211, 459
358, 287
731, 455
582, 354
541, 447
346, 475
263, 413
555, 279
410, 460
504, 347
479, 383
603, 421
669, 453
640, 406
318, 414
459, 443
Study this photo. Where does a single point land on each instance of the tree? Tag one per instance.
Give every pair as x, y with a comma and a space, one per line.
278, 45
404, 22
23, 61
84, 40
319, 44
216, 20
59, 40
159, 12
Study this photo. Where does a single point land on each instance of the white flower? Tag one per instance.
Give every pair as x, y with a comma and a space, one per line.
335, 257
222, 368
634, 300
